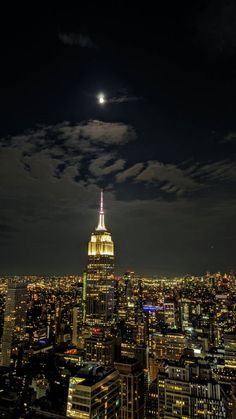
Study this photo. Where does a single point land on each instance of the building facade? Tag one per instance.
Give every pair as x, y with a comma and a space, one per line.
14, 327
100, 284
94, 394
187, 390
131, 388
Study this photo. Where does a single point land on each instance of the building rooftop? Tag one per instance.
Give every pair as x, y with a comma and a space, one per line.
91, 374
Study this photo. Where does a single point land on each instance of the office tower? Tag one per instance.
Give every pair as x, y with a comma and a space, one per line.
129, 308
14, 328
131, 388
169, 314
100, 349
100, 285
151, 323
184, 308
128, 348
94, 393
77, 315
230, 350
152, 401
168, 346
187, 391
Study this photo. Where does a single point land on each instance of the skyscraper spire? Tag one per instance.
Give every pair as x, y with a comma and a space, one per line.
101, 222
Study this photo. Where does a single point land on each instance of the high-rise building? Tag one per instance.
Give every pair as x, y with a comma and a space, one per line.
187, 390
131, 388
169, 314
94, 393
129, 308
14, 328
77, 315
100, 285
100, 349
230, 350
168, 346
152, 401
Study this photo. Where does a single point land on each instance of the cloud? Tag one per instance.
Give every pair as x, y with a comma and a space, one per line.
53, 207
94, 131
174, 179
100, 167
45, 170
123, 99
68, 144
231, 136
108, 132
73, 39
220, 171
129, 173
178, 180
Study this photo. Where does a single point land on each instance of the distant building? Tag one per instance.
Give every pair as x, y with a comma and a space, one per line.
131, 388
230, 350
169, 314
77, 322
168, 346
100, 349
14, 327
188, 391
129, 307
94, 393
152, 401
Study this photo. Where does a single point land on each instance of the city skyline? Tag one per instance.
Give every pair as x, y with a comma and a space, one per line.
117, 211
147, 115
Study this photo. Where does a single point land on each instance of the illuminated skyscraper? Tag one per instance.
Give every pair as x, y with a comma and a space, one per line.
131, 388
94, 393
14, 319
100, 286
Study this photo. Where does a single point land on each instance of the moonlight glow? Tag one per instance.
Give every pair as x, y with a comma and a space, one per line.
101, 99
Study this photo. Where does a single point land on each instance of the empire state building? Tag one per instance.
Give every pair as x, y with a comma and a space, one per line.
100, 275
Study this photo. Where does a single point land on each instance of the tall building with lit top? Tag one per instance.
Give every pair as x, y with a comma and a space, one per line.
100, 287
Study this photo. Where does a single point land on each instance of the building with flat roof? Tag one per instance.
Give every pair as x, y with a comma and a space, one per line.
94, 393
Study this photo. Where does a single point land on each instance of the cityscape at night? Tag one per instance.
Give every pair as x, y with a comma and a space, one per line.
117, 215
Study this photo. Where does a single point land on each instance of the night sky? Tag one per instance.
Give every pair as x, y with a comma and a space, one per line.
162, 146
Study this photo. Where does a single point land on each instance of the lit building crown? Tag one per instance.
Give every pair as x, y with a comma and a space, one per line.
101, 243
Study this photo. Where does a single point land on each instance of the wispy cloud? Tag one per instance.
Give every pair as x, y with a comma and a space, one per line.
123, 99
130, 172
223, 170
231, 136
73, 39
106, 164
68, 150
173, 178
182, 178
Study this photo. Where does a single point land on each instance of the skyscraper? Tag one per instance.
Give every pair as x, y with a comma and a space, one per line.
131, 388
94, 393
14, 318
100, 286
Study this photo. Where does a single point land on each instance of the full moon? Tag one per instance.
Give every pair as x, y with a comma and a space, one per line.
101, 99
